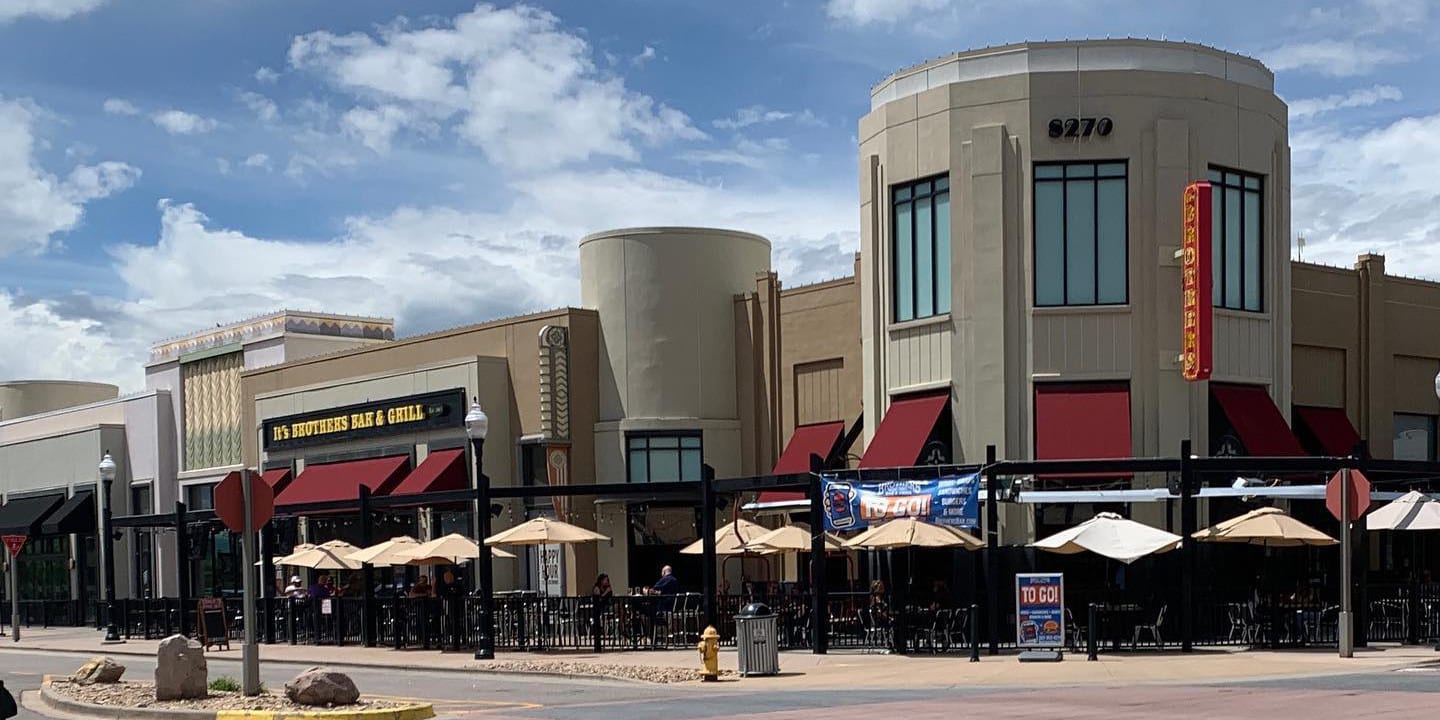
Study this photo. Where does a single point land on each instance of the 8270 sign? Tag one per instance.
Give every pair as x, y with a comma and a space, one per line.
1081, 127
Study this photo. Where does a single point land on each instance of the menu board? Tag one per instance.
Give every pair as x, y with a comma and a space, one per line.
1040, 610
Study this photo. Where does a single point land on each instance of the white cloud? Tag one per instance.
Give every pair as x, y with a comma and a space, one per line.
759, 114
510, 81
259, 161
263, 107
1370, 191
864, 12
35, 205
222, 165
1363, 97
374, 128
118, 106
45, 9
1335, 58
266, 76
645, 56
179, 122
42, 342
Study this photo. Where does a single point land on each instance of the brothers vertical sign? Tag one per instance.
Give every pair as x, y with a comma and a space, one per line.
1196, 301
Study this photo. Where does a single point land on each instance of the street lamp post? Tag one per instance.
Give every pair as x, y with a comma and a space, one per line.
107, 562
477, 426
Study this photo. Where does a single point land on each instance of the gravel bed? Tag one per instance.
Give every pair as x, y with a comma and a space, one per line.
142, 695
645, 673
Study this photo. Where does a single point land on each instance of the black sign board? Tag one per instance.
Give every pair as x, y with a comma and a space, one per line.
413, 413
214, 627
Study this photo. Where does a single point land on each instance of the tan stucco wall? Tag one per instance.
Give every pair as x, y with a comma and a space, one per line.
31, 397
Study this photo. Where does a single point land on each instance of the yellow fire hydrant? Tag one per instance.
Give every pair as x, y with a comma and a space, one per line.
709, 647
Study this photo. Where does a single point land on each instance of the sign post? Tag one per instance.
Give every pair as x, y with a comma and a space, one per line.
245, 502
14, 543
1347, 496
1040, 611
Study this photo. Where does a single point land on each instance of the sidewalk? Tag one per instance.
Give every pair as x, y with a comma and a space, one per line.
804, 671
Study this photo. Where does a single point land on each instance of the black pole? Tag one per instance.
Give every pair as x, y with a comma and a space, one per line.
267, 568
992, 550
182, 563
1092, 651
819, 598
1360, 563
974, 633
1187, 550
367, 572
1412, 635
707, 541
107, 530
485, 648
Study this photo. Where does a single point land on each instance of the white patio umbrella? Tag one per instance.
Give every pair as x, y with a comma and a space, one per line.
453, 549
792, 538
1269, 527
1112, 536
1411, 511
385, 554
730, 539
545, 531
333, 555
285, 559
913, 532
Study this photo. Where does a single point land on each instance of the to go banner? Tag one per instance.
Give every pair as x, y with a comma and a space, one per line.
948, 500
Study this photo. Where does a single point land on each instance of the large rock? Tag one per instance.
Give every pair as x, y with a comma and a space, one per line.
98, 670
320, 686
180, 670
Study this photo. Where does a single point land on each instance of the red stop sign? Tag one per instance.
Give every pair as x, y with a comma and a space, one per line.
1359, 495
230, 501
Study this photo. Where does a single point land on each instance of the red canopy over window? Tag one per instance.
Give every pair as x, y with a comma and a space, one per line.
442, 470
817, 439
1331, 427
1082, 421
902, 434
331, 482
1256, 420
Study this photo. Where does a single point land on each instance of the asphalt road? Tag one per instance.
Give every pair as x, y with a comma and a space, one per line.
1391, 694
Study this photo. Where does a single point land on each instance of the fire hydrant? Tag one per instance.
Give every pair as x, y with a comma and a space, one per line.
709, 647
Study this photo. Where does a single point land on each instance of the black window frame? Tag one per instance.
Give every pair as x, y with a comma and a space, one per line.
1433, 439
1094, 178
1219, 276
647, 436
934, 193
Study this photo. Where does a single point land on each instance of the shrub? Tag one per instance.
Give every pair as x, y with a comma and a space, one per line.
224, 684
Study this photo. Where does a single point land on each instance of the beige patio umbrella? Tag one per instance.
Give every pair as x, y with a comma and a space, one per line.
333, 555
453, 549
1112, 536
793, 538
913, 532
730, 539
544, 531
386, 554
1269, 527
285, 559
1412, 511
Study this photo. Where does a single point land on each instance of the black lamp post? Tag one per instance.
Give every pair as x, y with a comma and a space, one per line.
107, 562
477, 426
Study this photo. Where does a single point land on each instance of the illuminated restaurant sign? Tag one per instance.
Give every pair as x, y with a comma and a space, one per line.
414, 413
1196, 335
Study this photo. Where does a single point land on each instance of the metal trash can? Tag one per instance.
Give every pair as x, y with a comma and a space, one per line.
757, 641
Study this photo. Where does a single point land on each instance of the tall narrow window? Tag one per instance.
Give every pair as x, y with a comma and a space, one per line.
1081, 234
1238, 240
921, 248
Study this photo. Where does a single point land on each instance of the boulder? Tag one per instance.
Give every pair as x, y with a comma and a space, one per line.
180, 670
320, 686
98, 670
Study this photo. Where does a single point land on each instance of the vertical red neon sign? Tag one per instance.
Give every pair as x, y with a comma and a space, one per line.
1196, 306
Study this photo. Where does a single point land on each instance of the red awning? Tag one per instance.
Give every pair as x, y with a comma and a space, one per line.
1082, 421
818, 439
1331, 427
904, 430
442, 470
1256, 420
331, 482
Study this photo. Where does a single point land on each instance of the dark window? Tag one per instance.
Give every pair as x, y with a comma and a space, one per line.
1414, 437
663, 457
1081, 234
920, 248
200, 497
140, 500
1238, 239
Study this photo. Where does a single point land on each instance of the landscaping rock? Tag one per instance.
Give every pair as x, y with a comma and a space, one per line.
180, 670
320, 686
98, 670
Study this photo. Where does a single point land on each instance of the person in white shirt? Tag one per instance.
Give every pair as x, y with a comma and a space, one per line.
296, 589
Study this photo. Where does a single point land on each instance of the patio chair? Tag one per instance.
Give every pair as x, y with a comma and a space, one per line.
938, 637
877, 632
1153, 630
1077, 636
1240, 623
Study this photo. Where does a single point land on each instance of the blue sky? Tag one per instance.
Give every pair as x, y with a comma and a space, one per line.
165, 166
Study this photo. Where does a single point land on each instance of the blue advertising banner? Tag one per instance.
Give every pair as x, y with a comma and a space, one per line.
1040, 610
948, 500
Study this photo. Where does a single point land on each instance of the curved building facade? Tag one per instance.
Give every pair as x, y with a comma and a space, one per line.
19, 398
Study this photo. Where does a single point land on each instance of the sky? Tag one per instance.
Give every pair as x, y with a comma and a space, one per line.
169, 165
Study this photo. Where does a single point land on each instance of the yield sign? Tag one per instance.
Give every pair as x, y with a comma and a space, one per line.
14, 543
1359, 495
230, 501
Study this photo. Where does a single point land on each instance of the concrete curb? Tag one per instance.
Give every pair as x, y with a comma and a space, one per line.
53, 700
